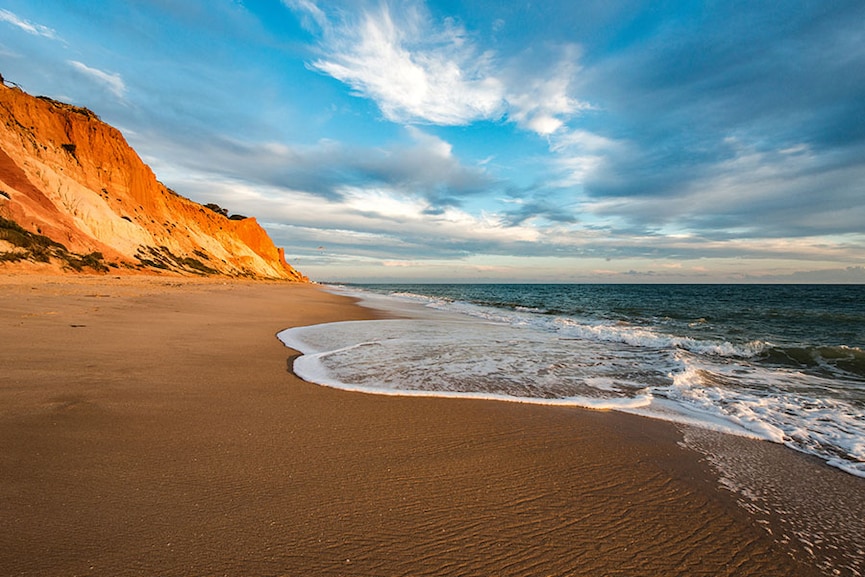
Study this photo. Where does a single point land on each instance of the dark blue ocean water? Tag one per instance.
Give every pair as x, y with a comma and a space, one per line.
783, 363
790, 316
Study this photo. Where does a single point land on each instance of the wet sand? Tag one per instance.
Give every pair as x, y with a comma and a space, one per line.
151, 426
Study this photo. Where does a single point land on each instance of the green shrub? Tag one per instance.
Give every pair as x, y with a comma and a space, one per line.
92, 260
13, 233
197, 265
40, 248
217, 209
12, 256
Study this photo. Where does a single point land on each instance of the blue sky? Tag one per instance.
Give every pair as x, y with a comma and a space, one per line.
558, 141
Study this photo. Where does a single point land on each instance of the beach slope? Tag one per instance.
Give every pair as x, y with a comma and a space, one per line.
152, 426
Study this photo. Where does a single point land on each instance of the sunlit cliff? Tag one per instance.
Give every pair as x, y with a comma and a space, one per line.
75, 195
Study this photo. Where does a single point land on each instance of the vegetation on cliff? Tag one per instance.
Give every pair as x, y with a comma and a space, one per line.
73, 193
27, 246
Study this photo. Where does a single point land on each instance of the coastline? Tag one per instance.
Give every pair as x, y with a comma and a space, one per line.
151, 426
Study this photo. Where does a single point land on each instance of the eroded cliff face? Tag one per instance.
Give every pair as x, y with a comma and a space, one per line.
70, 182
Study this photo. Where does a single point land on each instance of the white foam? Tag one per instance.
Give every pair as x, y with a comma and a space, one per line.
777, 413
603, 331
524, 357
648, 338
310, 368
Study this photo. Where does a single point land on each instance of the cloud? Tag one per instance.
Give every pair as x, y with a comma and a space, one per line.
413, 71
368, 223
383, 203
754, 193
735, 124
580, 155
422, 167
315, 19
418, 70
112, 81
543, 103
26, 26
384, 223
366, 219
427, 168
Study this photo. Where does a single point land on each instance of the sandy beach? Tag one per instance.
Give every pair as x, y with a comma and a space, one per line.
152, 426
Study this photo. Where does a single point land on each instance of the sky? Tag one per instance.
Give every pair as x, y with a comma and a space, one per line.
488, 141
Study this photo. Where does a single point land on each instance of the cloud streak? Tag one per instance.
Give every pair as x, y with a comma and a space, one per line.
423, 167
112, 81
27, 26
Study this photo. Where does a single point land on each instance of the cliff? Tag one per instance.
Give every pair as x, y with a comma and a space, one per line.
73, 193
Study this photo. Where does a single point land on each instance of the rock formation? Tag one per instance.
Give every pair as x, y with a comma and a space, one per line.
74, 193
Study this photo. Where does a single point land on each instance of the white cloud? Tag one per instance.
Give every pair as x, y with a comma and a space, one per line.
433, 145
372, 224
413, 71
419, 70
112, 81
382, 203
26, 26
395, 219
543, 103
579, 154
582, 140
398, 213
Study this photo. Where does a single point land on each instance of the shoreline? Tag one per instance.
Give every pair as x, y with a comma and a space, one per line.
804, 501
151, 426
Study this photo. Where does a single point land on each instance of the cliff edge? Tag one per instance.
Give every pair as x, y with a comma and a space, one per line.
73, 193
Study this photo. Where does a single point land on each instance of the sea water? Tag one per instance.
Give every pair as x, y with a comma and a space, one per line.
781, 363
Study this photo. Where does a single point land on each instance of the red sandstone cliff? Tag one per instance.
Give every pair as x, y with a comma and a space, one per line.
67, 176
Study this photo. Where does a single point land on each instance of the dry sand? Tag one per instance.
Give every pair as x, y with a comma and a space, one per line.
150, 426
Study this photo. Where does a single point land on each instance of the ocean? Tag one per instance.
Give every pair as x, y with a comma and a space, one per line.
784, 363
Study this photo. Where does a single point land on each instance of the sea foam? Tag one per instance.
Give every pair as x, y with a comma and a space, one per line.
460, 349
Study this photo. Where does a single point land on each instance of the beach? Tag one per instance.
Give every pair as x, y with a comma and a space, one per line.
152, 426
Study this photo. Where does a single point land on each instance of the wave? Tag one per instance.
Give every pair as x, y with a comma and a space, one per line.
648, 338
848, 362
808, 398
839, 360
773, 406
604, 331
